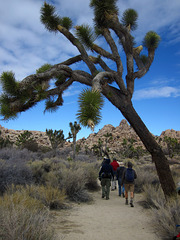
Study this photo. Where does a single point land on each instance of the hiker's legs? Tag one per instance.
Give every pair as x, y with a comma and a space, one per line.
108, 185
126, 186
119, 186
123, 189
103, 185
113, 184
132, 194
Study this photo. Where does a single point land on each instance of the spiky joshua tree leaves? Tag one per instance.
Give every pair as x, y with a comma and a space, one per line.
90, 104
105, 75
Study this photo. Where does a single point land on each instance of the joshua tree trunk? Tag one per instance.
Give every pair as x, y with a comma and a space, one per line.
158, 157
74, 148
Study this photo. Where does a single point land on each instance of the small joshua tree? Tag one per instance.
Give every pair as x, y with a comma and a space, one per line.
26, 140
75, 128
56, 138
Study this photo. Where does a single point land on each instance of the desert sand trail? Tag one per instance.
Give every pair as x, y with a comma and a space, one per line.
105, 220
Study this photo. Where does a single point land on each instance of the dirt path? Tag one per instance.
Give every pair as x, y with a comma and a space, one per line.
105, 220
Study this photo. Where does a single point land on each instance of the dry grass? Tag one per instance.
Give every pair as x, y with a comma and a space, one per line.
153, 196
23, 217
166, 218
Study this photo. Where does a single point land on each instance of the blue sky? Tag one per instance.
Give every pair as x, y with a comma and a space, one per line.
25, 45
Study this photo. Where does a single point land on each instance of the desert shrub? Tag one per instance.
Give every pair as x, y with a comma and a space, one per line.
31, 145
153, 196
53, 198
19, 155
82, 157
166, 218
21, 219
48, 170
16, 195
73, 183
145, 175
91, 174
39, 170
13, 173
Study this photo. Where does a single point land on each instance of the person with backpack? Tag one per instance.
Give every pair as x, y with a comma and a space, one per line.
105, 175
120, 171
115, 165
129, 175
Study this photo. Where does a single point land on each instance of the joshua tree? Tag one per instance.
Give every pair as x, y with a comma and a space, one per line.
55, 137
108, 81
26, 140
75, 128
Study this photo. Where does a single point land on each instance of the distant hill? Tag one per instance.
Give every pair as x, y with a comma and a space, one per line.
110, 135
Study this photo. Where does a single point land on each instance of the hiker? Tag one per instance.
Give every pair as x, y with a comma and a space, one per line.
120, 171
105, 175
128, 177
115, 165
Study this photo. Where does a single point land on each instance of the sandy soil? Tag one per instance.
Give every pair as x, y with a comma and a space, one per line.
105, 220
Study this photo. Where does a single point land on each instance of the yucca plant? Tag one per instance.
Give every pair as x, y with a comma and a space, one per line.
151, 40
9, 83
129, 19
66, 22
144, 59
90, 104
44, 68
6, 108
50, 105
103, 10
49, 18
85, 35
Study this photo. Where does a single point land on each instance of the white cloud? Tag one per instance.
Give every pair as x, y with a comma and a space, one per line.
163, 92
25, 44
71, 91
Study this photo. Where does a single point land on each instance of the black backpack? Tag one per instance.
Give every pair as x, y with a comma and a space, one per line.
129, 175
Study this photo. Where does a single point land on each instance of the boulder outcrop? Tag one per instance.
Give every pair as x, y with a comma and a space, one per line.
109, 136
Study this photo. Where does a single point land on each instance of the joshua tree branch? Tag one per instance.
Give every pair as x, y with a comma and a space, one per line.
79, 46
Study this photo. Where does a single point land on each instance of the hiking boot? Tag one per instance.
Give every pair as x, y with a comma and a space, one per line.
131, 203
126, 202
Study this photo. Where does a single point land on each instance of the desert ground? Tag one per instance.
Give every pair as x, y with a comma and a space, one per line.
105, 219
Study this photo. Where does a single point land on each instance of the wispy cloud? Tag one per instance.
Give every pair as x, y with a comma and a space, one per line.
162, 92
71, 91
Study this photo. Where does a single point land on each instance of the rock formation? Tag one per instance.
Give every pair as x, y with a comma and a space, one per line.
112, 137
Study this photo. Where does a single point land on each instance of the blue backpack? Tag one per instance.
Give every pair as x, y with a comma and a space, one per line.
129, 175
